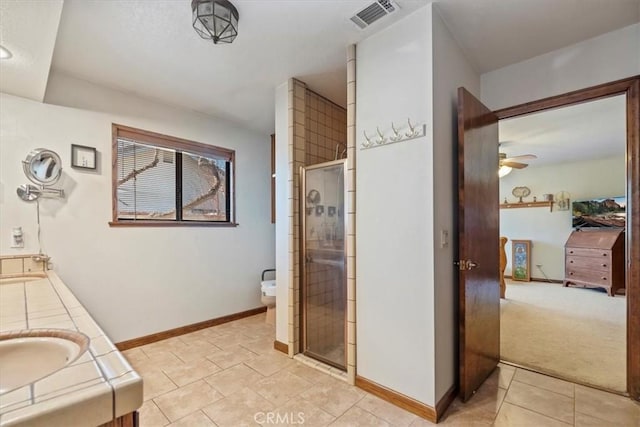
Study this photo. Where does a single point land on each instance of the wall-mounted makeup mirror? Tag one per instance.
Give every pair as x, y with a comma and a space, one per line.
44, 168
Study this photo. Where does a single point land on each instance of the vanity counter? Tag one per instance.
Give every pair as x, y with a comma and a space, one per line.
99, 388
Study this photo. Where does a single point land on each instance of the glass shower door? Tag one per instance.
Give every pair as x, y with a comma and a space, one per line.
324, 279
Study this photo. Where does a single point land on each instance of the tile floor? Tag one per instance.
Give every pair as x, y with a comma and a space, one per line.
230, 375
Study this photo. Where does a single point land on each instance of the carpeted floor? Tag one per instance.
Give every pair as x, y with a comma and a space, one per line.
572, 333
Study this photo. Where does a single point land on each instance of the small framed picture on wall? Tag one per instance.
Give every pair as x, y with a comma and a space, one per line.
83, 157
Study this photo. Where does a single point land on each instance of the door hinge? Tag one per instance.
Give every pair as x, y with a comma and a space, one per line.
465, 264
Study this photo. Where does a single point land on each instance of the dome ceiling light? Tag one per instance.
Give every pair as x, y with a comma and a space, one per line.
215, 20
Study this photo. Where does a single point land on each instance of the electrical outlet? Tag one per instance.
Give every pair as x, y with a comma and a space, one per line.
444, 238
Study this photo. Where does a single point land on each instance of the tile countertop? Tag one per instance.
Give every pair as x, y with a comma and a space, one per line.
95, 389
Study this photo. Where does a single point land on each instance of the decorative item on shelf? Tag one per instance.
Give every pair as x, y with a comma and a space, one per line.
215, 20
414, 131
547, 197
83, 157
331, 211
319, 210
535, 199
505, 201
562, 200
521, 192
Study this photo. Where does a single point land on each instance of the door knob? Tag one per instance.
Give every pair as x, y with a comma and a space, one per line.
471, 265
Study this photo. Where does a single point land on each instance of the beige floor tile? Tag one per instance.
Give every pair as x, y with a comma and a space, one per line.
269, 364
541, 401
305, 412
501, 376
460, 414
156, 362
386, 411
195, 419
151, 416
543, 381
190, 372
612, 408
280, 387
355, 417
231, 340
191, 353
167, 345
421, 422
335, 398
135, 355
312, 375
583, 420
155, 384
243, 408
185, 400
483, 406
232, 356
233, 379
515, 416
260, 345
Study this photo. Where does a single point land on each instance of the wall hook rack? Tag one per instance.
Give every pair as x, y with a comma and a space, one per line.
411, 131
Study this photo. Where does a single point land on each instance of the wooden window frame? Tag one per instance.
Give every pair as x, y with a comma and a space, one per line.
173, 143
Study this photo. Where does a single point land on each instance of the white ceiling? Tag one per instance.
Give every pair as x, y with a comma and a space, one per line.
593, 130
26, 73
149, 48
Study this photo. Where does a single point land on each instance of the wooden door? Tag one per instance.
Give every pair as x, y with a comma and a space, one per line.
479, 277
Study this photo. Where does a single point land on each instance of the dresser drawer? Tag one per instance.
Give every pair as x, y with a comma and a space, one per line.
587, 276
595, 264
591, 253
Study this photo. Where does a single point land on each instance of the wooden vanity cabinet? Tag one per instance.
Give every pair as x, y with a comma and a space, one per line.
595, 258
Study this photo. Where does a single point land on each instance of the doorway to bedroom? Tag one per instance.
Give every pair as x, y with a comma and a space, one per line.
562, 220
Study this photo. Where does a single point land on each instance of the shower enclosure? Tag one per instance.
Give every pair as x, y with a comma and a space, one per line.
323, 297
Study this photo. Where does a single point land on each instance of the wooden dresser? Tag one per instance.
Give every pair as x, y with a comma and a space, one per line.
595, 258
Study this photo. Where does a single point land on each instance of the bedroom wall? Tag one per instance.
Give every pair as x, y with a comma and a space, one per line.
549, 231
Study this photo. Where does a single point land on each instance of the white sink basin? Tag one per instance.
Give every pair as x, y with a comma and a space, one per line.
30, 355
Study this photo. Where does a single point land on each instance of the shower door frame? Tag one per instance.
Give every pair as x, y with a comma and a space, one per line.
302, 262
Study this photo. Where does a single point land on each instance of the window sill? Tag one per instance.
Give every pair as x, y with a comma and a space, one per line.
171, 224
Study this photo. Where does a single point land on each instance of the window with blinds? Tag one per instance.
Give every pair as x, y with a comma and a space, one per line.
160, 180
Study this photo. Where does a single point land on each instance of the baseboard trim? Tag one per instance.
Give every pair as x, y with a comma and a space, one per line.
536, 279
159, 336
280, 346
398, 399
445, 401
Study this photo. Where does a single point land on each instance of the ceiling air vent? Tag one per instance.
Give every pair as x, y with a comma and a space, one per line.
373, 12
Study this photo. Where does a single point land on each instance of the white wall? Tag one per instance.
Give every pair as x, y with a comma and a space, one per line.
450, 71
394, 240
282, 213
134, 281
549, 231
602, 59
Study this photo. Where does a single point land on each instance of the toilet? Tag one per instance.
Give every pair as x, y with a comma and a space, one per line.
268, 298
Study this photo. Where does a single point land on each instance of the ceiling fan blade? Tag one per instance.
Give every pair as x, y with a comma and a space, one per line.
514, 165
522, 157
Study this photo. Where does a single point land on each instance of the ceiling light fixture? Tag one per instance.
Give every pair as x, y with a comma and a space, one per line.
5, 53
504, 171
215, 20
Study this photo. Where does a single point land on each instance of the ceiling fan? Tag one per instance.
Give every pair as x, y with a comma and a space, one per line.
507, 164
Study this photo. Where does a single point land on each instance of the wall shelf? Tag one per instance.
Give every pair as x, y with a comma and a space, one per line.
527, 205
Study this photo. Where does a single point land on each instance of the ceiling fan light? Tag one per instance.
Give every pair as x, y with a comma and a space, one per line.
215, 20
504, 171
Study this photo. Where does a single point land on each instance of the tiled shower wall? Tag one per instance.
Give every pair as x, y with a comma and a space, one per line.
323, 126
325, 130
